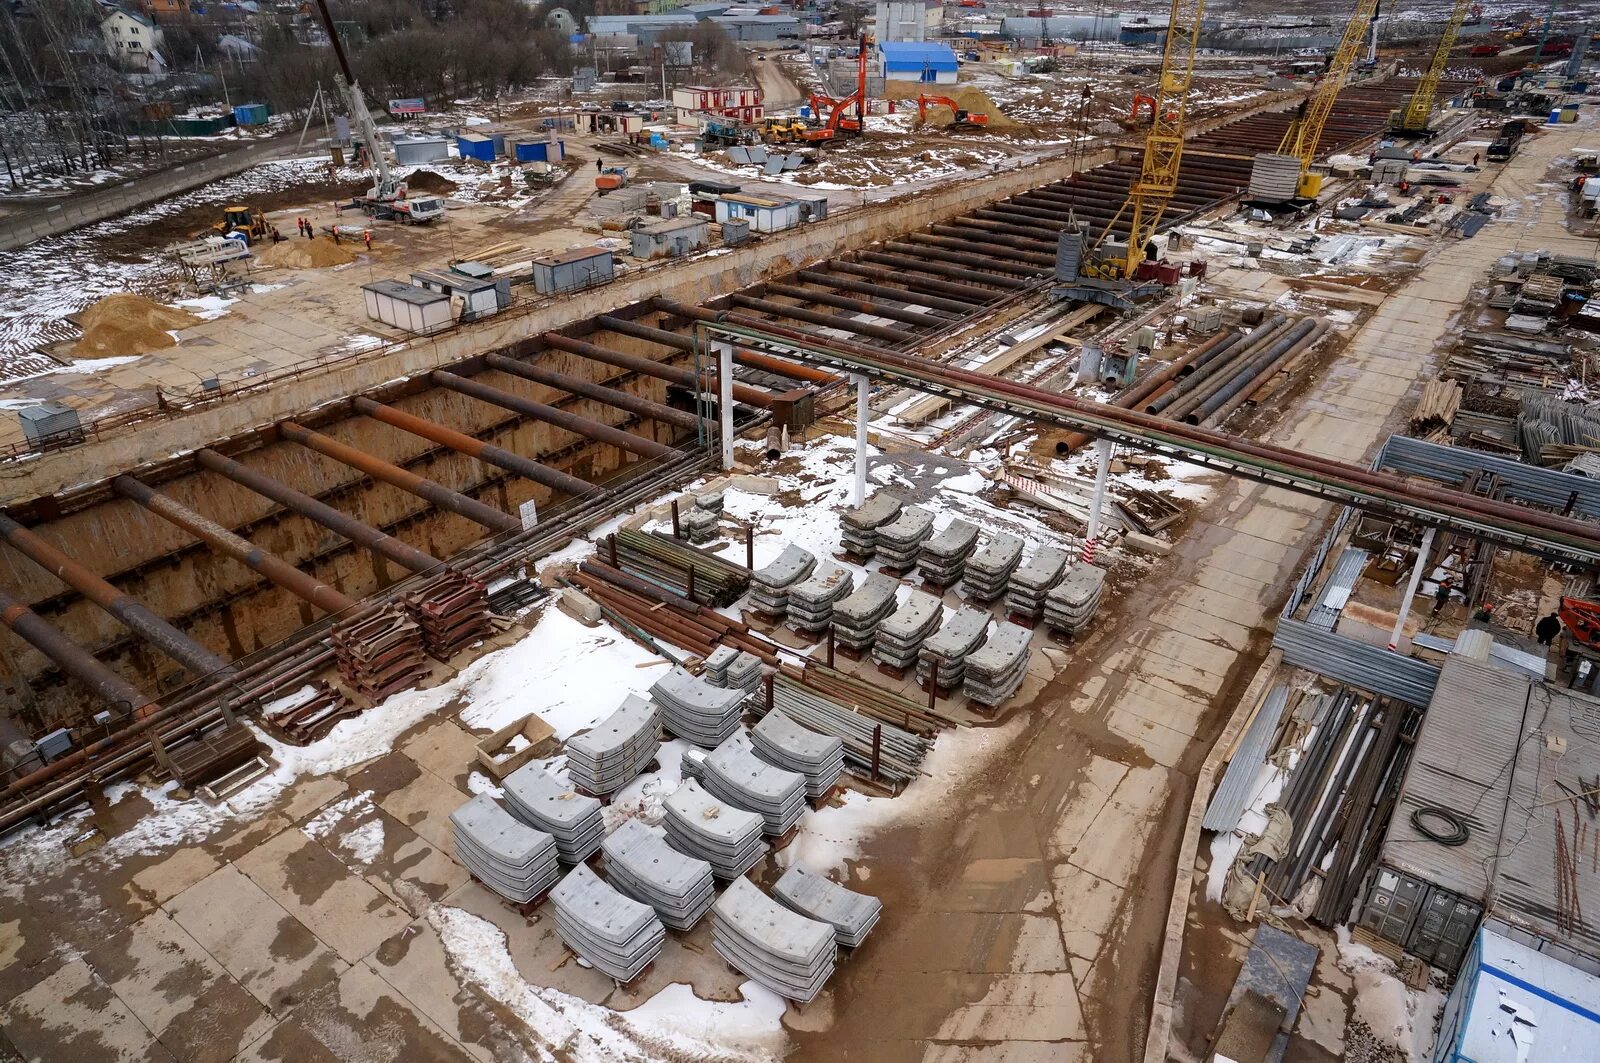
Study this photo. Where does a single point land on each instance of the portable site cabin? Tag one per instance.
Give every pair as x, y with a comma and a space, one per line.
765, 215
539, 150
475, 146
408, 307
574, 268
414, 151
1509, 998
671, 238
477, 297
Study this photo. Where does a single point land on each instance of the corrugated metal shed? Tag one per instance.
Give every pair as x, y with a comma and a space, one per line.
1523, 483
1238, 782
1497, 749
1345, 660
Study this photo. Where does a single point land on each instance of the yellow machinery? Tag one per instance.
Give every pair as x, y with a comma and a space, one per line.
1413, 120
782, 129
1300, 139
1163, 147
237, 219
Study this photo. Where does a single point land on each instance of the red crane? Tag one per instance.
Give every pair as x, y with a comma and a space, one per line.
833, 114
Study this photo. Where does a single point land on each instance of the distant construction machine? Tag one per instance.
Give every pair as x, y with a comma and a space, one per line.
831, 117
964, 119
1412, 120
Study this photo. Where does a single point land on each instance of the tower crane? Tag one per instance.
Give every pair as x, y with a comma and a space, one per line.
1300, 139
1163, 151
1413, 120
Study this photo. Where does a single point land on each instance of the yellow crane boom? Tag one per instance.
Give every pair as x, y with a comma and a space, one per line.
1301, 138
1420, 107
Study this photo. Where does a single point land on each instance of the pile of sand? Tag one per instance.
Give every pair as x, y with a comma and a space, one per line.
128, 324
428, 181
300, 253
975, 100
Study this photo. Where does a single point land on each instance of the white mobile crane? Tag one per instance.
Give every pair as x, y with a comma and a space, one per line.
387, 198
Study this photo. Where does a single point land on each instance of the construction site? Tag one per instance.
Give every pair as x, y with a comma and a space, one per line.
1086, 550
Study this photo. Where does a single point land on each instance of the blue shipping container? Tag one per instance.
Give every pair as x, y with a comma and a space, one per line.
473, 146
539, 150
250, 114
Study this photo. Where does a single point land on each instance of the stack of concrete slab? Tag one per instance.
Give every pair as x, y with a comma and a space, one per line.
692, 763
745, 672
1072, 603
859, 527
709, 500
510, 857
990, 567
609, 756
783, 950
699, 525
944, 654
701, 826
770, 586
696, 711
944, 556
715, 670
781, 742
733, 773
642, 865
901, 635
900, 541
852, 915
856, 617
811, 600
996, 669
1032, 580
541, 800
616, 934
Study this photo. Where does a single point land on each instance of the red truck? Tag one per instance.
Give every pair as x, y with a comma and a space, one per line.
1484, 51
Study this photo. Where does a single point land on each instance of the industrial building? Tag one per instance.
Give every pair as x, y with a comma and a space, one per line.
929, 62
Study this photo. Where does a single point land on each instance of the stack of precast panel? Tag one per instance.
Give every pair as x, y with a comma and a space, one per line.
859, 527
856, 618
990, 568
541, 800
901, 635
1032, 580
510, 857
616, 934
642, 865
608, 757
944, 556
781, 742
733, 773
811, 600
783, 950
696, 711
852, 915
701, 826
944, 655
996, 670
900, 541
769, 586
1072, 603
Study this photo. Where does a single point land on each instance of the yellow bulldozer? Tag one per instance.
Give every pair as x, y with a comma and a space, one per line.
782, 129
253, 223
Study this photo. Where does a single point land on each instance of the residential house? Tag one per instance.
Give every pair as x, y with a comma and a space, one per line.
741, 102
165, 10
133, 39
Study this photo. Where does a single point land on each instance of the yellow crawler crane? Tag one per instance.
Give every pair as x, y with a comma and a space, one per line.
1413, 120
1300, 139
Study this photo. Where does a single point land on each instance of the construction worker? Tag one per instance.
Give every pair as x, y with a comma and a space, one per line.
1475, 157
367, 236
1485, 613
1441, 596
1548, 628
597, 166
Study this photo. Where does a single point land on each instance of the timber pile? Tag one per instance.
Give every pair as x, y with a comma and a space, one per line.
1437, 408
380, 655
453, 612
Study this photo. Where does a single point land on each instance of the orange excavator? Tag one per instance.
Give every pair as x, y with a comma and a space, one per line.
1582, 618
831, 116
964, 119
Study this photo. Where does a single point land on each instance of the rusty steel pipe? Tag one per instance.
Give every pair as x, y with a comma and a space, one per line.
964, 258
72, 659
860, 306
129, 611
588, 389
1026, 262
386, 472
922, 265
462, 443
676, 340
680, 375
976, 225
752, 359
1205, 367
1199, 387
242, 550
978, 234
965, 292
838, 321
403, 554
1264, 372
957, 307
571, 422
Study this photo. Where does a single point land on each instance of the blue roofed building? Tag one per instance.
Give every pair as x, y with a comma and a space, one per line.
924, 61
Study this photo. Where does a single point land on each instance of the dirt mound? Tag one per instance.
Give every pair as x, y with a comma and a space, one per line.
307, 254
128, 324
975, 100
428, 181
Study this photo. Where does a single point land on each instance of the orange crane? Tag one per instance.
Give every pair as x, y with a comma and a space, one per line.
838, 119
963, 117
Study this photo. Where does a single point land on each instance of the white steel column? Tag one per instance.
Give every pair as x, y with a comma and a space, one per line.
863, 394
1101, 473
725, 398
1411, 587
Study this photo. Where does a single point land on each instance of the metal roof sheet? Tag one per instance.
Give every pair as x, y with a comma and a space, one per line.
1238, 781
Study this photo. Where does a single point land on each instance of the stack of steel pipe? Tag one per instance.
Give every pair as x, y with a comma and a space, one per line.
869, 699
1266, 367
687, 625
680, 567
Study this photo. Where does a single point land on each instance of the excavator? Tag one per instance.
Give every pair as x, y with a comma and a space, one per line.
964, 119
831, 116
1582, 618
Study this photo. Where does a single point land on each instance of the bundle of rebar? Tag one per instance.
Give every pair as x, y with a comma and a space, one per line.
873, 748
453, 612
678, 566
381, 654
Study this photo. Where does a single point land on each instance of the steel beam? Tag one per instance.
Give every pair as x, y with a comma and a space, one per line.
583, 426
389, 473
572, 385
884, 291
73, 659
242, 550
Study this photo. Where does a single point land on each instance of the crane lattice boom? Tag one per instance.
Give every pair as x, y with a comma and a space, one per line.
1420, 107
1301, 138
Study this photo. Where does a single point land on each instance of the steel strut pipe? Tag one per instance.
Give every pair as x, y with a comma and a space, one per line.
403, 554
242, 550
650, 367
976, 225
1200, 387
1199, 382
583, 426
884, 291
923, 265
129, 611
1270, 367
969, 235
462, 443
792, 370
1243, 373
389, 473
72, 659
752, 359
976, 297
963, 258
1307, 472
860, 306
811, 317
622, 400
1025, 261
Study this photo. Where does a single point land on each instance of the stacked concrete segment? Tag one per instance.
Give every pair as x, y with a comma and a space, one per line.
996, 669
641, 864
696, 711
510, 857
770, 585
701, 826
858, 528
616, 934
699, 526
900, 541
610, 755
856, 617
1032, 580
783, 950
990, 567
783, 743
944, 654
1072, 603
733, 773
811, 600
944, 556
715, 670
901, 635
852, 915
541, 800
745, 673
